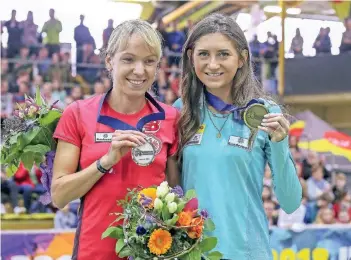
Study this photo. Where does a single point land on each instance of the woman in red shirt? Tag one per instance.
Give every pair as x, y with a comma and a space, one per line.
122, 139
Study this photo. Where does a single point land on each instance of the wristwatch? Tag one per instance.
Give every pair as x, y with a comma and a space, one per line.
102, 169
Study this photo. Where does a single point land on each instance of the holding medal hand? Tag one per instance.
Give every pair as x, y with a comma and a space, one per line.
122, 142
276, 125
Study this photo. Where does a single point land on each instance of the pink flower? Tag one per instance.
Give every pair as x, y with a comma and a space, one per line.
192, 206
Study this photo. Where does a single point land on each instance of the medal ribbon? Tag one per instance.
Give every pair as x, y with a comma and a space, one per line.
221, 106
120, 125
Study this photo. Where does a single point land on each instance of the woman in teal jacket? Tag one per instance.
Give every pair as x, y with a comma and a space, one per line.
229, 131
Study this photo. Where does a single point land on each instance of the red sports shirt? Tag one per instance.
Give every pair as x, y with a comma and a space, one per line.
78, 125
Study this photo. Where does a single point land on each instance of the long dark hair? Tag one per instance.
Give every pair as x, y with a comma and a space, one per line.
245, 86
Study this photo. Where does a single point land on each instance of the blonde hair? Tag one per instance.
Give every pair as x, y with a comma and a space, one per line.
121, 34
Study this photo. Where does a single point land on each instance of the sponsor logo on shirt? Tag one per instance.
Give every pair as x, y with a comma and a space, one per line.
152, 127
103, 137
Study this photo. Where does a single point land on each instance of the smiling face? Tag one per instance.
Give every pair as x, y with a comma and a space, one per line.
134, 67
216, 61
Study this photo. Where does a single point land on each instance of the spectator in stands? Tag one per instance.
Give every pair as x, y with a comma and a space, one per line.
15, 31
57, 70
188, 27
322, 43
297, 44
76, 93
269, 208
52, 28
99, 88
23, 89
107, 33
317, 186
37, 82
92, 73
44, 62
170, 97
23, 61
28, 183
9, 191
58, 91
346, 37
340, 188
65, 219
6, 100
255, 49
47, 93
313, 207
344, 217
81, 36
176, 40
87, 58
342, 205
267, 193
161, 28
311, 161
325, 216
30, 34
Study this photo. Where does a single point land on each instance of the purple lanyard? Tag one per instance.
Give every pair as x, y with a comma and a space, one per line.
221, 106
120, 125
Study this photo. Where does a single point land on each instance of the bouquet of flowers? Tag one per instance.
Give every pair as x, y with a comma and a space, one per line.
28, 138
163, 223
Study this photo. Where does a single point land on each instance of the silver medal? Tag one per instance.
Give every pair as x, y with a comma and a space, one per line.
143, 155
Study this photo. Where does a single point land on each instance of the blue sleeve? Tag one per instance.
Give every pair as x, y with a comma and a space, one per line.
286, 184
178, 104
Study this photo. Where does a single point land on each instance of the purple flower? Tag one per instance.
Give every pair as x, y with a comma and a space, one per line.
145, 201
177, 190
46, 178
204, 213
140, 231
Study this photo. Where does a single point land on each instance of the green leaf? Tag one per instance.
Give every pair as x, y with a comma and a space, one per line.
125, 252
114, 232
13, 139
119, 245
38, 98
51, 117
194, 254
165, 212
181, 206
38, 148
173, 220
11, 170
215, 255
190, 194
28, 160
207, 244
209, 225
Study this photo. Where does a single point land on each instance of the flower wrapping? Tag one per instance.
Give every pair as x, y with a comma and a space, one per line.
163, 223
28, 138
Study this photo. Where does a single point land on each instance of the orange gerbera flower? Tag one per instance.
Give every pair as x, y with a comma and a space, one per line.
149, 193
160, 242
196, 230
184, 219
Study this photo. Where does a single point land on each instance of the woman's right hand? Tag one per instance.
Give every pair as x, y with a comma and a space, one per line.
122, 142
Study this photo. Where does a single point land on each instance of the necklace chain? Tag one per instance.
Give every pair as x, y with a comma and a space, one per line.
219, 134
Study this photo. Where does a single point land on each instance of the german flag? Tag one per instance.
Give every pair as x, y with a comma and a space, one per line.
297, 128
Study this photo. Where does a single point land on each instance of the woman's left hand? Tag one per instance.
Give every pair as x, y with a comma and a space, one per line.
276, 126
